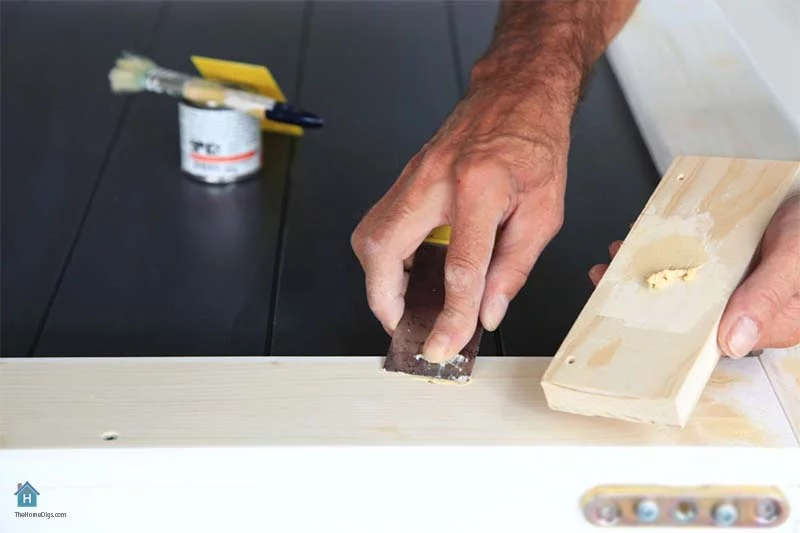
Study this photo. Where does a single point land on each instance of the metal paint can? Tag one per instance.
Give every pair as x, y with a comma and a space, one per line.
218, 145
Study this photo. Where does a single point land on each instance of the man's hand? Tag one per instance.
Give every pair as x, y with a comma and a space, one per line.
495, 171
764, 311
486, 168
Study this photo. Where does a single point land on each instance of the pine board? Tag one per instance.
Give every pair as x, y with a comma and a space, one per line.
644, 354
240, 401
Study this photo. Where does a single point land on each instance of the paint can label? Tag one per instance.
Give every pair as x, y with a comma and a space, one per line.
219, 145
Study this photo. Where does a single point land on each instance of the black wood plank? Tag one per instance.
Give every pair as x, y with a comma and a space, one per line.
167, 266
58, 123
610, 177
382, 74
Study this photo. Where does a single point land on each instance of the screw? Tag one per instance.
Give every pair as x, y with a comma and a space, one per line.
767, 511
647, 511
685, 512
725, 514
606, 514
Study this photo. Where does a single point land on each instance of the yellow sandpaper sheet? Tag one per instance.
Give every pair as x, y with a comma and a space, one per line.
256, 77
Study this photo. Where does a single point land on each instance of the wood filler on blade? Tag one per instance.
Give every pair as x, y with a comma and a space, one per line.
219, 145
455, 361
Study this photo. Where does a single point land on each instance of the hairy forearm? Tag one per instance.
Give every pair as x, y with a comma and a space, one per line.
549, 44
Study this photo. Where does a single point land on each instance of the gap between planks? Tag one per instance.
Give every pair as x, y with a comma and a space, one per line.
782, 368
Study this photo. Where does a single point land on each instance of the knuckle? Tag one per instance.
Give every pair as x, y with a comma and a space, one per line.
544, 156
372, 245
555, 222
770, 297
474, 170
461, 274
433, 166
356, 240
515, 276
380, 301
405, 208
364, 244
511, 275
792, 251
376, 303
457, 320
547, 210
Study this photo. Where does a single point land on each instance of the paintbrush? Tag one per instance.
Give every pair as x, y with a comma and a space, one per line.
424, 301
133, 73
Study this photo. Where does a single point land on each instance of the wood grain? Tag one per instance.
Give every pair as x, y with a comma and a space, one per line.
189, 402
644, 354
783, 371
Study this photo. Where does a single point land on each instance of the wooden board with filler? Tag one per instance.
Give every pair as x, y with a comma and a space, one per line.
645, 344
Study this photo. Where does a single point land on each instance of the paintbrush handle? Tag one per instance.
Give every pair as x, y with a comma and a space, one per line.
203, 91
164, 81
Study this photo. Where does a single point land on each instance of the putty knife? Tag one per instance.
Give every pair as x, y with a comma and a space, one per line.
424, 302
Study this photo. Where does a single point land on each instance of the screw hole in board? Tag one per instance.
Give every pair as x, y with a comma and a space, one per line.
681, 177
110, 435
570, 360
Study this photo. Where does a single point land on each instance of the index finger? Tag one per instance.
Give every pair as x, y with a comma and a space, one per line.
383, 244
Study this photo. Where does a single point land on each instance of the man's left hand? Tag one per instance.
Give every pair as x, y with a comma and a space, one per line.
764, 311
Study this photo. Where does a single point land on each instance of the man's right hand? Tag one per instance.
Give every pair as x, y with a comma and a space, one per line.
497, 163
495, 171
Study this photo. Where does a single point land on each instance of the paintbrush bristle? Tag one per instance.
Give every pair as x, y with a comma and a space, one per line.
135, 62
130, 72
126, 81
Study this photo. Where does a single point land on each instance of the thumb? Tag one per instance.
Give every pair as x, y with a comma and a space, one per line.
768, 290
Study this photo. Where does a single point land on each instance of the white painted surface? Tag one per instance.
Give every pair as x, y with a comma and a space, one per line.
694, 88
783, 371
354, 489
770, 31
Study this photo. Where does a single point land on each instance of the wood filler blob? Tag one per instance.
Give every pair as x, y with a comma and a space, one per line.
455, 361
662, 278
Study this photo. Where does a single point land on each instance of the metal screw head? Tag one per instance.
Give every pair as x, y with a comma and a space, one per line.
647, 511
725, 514
605, 514
767, 511
685, 511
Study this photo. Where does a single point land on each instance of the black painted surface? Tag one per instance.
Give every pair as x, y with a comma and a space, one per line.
166, 266
58, 122
610, 178
383, 76
474, 25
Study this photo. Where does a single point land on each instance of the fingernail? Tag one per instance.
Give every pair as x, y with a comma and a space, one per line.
436, 348
396, 313
743, 337
495, 311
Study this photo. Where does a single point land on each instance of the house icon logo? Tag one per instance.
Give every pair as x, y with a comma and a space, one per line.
26, 495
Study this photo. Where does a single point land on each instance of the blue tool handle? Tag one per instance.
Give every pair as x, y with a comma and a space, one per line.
288, 114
